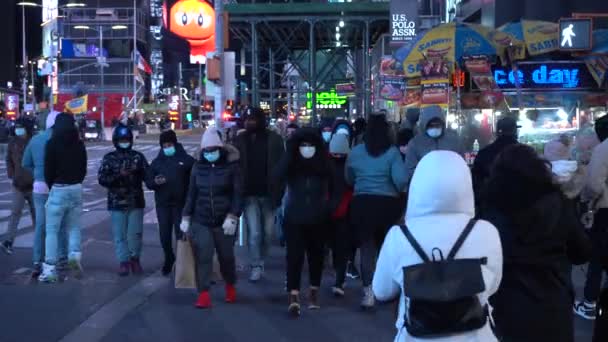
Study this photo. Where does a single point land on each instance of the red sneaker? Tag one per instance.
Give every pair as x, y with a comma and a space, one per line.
203, 301
136, 267
230, 293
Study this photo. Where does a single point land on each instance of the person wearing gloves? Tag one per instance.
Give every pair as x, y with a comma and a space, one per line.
168, 177
596, 191
65, 167
436, 218
210, 217
341, 237
122, 172
21, 178
33, 160
375, 170
306, 170
433, 136
260, 151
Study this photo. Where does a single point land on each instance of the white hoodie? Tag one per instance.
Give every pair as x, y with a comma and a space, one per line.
440, 205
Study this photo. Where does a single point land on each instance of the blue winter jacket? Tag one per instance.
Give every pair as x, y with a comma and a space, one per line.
33, 157
383, 175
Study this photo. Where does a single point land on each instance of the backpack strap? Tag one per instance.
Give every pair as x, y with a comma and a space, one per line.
463, 236
414, 243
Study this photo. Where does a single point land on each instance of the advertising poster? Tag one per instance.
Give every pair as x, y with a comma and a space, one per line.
392, 88
188, 27
541, 37
435, 82
404, 20
389, 66
12, 105
346, 89
480, 70
412, 98
77, 105
598, 68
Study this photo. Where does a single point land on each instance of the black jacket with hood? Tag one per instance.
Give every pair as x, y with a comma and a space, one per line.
274, 152
215, 190
65, 158
484, 160
124, 192
541, 239
176, 170
309, 181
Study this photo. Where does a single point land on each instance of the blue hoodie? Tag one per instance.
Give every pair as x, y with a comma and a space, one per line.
383, 175
33, 157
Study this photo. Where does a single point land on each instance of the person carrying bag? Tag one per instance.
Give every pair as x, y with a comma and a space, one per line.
185, 274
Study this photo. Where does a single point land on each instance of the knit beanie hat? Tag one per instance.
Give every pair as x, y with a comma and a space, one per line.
211, 138
168, 137
50, 119
339, 144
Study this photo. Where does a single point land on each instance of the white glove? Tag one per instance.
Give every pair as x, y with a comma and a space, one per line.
229, 225
185, 225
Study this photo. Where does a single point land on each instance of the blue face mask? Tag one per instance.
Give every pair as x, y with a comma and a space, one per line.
212, 157
326, 136
19, 132
169, 151
124, 146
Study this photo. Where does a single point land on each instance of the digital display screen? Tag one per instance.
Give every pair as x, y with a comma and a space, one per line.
557, 76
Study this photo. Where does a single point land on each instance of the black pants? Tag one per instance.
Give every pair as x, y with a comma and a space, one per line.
304, 240
205, 241
371, 217
341, 247
599, 237
169, 219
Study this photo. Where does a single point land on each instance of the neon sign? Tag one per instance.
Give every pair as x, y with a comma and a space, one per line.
326, 99
544, 76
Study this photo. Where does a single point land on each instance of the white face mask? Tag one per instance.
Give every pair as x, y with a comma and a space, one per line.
434, 132
307, 152
326, 136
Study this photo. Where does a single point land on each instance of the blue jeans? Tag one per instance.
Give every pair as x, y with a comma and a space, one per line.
127, 228
63, 211
39, 233
259, 220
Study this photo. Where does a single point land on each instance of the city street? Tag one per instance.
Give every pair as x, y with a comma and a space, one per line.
105, 307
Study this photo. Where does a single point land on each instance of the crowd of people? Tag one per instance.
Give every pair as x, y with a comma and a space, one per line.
481, 253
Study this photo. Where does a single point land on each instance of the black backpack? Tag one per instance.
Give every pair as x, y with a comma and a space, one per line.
443, 292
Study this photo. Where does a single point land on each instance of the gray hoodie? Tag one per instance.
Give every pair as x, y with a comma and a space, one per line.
422, 144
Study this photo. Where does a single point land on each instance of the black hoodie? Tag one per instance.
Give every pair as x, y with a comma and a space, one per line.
65, 159
309, 181
176, 170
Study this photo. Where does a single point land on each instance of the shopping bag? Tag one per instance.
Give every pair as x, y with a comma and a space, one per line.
185, 274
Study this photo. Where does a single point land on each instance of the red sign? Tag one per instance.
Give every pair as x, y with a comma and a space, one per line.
193, 21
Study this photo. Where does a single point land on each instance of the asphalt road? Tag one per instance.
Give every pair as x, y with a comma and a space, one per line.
105, 307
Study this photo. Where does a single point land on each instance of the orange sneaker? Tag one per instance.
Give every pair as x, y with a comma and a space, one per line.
230, 293
203, 301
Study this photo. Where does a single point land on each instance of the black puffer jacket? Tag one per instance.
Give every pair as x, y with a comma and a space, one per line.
124, 192
309, 181
215, 190
176, 170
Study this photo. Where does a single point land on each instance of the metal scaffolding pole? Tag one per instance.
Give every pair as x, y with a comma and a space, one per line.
271, 81
219, 100
367, 71
312, 72
254, 65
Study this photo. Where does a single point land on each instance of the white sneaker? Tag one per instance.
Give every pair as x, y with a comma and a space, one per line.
256, 274
368, 301
49, 274
585, 309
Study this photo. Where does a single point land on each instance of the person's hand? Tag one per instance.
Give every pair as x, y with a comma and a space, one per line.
160, 180
185, 225
229, 225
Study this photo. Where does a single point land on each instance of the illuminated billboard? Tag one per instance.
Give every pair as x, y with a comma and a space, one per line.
189, 24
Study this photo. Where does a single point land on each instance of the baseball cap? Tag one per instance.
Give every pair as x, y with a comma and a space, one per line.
507, 125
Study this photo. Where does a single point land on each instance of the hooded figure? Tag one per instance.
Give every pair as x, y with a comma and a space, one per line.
168, 176
433, 136
210, 216
65, 167
307, 172
541, 240
326, 126
359, 131
33, 160
343, 126
440, 206
122, 172
260, 151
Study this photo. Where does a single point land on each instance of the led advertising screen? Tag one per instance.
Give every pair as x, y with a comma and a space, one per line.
188, 29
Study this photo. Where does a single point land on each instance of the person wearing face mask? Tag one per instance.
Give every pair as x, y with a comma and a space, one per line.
326, 127
260, 151
168, 176
122, 172
21, 178
213, 205
433, 136
306, 170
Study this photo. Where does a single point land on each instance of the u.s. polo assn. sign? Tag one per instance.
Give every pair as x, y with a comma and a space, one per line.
404, 20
